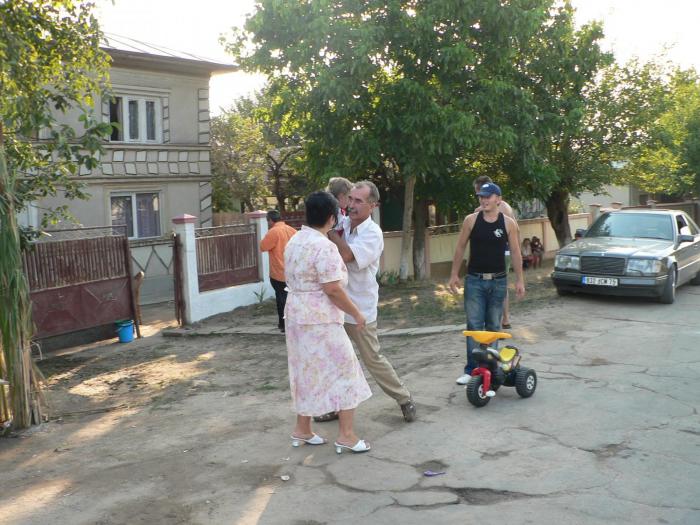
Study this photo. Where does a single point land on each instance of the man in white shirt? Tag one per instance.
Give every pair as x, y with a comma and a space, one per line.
361, 246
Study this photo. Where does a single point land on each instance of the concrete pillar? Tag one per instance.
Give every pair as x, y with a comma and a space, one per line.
259, 219
428, 237
594, 211
183, 225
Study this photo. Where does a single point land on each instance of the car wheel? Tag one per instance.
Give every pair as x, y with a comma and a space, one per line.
475, 392
669, 293
525, 382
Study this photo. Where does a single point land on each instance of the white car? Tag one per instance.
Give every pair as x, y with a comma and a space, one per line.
646, 253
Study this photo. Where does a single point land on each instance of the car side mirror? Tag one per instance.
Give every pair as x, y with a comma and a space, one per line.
686, 238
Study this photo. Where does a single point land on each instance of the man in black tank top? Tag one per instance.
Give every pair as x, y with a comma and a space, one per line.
485, 284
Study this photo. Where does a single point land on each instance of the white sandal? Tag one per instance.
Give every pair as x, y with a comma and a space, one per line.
313, 440
360, 446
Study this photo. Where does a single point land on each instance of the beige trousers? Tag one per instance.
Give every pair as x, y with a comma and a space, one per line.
379, 366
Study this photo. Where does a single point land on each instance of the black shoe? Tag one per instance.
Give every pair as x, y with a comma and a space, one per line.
408, 410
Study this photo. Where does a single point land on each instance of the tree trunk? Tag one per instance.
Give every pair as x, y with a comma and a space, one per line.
16, 364
558, 213
421, 216
279, 193
406, 233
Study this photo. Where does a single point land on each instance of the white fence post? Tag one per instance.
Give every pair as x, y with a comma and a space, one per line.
183, 225
259, 218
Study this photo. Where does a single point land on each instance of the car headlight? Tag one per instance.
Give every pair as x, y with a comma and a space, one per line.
567, 262
644, 267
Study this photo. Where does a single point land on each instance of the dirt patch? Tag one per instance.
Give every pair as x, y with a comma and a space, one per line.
158, 372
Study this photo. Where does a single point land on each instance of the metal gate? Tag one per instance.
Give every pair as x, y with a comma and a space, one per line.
226, 256
80, 279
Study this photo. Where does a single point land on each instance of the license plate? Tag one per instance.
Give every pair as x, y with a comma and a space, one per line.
599, 281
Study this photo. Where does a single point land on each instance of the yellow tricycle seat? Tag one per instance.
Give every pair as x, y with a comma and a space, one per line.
483, 337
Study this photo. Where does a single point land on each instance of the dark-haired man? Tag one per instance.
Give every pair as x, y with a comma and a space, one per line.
487, 231
274, 242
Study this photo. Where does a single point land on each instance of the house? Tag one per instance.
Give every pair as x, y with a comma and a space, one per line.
156, 163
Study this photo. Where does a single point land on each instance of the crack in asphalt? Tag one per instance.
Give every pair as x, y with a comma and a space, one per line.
647, 389
643, 321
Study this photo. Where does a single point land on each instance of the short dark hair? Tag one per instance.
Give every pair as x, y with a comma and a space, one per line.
320, 205
274, 215
481, 180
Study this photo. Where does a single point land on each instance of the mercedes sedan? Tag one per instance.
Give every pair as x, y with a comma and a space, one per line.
647, 253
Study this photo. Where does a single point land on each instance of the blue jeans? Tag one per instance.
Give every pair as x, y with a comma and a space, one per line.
483, 303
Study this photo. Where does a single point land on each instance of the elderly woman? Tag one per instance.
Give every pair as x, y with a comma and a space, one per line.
324, 373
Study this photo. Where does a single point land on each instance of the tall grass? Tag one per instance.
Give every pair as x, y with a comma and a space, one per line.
16, 364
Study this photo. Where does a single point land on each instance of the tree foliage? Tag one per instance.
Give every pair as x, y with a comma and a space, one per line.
50, 64
442, 91
568, 141
404, 86
666, 102
256, 154
238, 152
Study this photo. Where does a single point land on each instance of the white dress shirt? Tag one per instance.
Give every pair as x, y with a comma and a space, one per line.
366, 243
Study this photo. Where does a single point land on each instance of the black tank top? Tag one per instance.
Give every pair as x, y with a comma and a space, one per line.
487, 245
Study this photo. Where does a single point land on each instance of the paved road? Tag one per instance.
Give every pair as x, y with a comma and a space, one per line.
611, 436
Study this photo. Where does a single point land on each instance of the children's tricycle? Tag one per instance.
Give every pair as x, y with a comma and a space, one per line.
496, 368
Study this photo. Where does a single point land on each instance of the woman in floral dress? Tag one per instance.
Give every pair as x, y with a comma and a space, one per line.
324, 373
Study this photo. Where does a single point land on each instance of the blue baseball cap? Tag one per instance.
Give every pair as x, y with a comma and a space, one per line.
489, 189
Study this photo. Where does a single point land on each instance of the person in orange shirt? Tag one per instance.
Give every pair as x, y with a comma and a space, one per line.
274, 242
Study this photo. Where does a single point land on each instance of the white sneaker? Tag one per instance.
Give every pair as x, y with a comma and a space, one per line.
490, 393
463, 380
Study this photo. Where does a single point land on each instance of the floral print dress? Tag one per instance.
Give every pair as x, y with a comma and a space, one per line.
324, 373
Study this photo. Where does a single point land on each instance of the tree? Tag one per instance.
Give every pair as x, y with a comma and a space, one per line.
238, 152
569, 140
254, 155
405, 84
666, 159
50, 63
284, 156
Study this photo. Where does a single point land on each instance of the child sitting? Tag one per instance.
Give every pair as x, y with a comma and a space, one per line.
526, 251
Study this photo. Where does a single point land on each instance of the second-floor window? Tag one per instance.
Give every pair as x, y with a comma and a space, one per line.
138, 119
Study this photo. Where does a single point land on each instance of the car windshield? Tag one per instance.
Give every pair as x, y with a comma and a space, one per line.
648, 226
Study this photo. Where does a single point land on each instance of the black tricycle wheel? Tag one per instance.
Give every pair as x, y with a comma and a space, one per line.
475, 392
525, 382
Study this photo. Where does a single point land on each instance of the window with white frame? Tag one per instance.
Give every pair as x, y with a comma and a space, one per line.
137, 119
138, 211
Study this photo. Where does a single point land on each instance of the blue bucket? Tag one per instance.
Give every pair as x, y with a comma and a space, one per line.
125, 330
